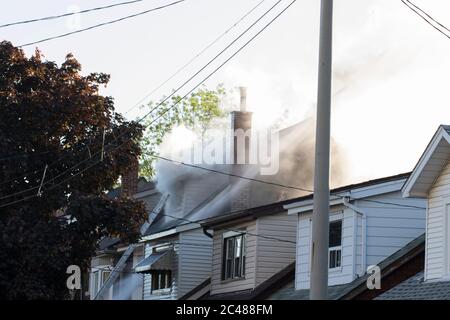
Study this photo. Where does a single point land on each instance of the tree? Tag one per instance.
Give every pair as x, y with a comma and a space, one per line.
53, 115
195, 112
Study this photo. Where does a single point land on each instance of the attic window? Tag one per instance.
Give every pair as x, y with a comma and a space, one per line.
335, 244
233, 265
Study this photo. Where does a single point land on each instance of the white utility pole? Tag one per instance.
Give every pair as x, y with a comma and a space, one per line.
320, 225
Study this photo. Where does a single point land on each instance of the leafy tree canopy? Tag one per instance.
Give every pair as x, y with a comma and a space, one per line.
53, 115
195, 112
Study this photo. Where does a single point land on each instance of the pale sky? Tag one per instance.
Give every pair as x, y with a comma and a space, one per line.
391, 69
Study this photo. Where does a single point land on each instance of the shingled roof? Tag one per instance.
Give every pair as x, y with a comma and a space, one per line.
415, 288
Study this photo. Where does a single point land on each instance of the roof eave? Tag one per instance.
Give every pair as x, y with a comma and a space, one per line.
408, 188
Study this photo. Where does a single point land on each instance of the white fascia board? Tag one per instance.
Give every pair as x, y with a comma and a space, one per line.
188, 226
357, 193
307, 205
377, 189
159, 235
409, 184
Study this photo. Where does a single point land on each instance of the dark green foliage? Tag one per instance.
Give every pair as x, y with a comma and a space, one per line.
50, 115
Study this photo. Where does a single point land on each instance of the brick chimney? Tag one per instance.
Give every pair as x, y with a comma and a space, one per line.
240, 154
130, 178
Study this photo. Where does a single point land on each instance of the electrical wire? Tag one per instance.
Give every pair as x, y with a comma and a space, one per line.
167, 80
183, 67
101, 24
173, 93
177, 102
226, 229
69, 14
233, 175
415, 9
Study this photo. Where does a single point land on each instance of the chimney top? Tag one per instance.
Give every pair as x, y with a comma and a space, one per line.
130, 178
243, 104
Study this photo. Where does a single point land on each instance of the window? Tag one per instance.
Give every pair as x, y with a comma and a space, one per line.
99, 276
233, 265
105, 276
161, 279
335, 244
95, 280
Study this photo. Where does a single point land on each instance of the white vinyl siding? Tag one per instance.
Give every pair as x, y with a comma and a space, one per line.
435, 265
339, 275
195, 259
390, 227
272, 255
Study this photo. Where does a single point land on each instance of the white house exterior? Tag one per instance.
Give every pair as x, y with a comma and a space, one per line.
430, 181
368, 222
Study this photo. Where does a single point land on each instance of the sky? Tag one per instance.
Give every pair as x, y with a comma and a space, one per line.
390, 69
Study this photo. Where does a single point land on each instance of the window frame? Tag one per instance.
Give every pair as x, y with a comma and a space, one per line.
446, 235
161, 275
336, 249
233, 261
98, 279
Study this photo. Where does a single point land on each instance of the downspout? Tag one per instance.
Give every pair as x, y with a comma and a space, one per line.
205, 231
363, 231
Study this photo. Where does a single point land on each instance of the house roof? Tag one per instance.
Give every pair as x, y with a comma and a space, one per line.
415, 288
143, 185
430, 164
278, 206
108, 243
210, 207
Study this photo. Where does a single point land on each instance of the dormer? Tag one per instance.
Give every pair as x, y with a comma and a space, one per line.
430, 180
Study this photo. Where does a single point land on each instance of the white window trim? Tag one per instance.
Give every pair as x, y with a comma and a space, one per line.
162, 291
339, 268
335, 218
446, 237
232, 234
100, 269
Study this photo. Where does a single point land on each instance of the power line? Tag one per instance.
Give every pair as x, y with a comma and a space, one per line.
232, 175
196, 86
179, 88
102, 24
69, 14
164, 82
415, 9
405, 206
392, 203
426, 14
195, 57
226, 229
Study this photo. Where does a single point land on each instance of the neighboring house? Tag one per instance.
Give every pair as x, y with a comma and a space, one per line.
399, 266
111, 274
369, 221
249, 247
178, 252
430, 181
370, 224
